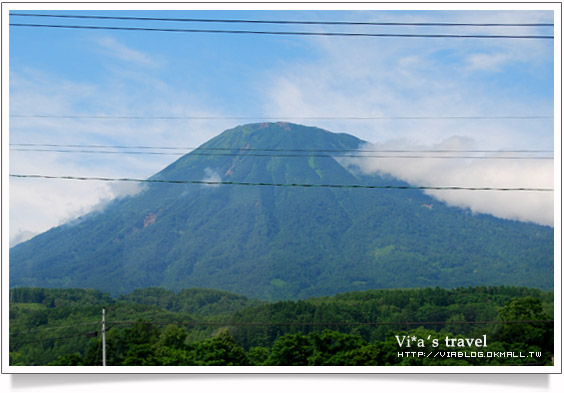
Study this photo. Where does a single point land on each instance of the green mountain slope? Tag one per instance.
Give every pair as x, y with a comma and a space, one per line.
281, 242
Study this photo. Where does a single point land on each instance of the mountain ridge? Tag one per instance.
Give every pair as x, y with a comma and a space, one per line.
282, 242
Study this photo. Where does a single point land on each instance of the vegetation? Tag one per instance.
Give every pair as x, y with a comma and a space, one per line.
203, 327
276, 243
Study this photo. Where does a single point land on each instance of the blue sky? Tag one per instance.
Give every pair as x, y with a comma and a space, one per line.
123, 73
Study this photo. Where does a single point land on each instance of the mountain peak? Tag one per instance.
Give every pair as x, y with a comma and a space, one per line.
248, 152
280, 242
282, 135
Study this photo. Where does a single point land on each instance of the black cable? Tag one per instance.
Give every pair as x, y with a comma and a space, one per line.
252, 324
282, 150
286, 22
227, 323
54, 338
243, 324
534, 117
51, 328
244, 154
292, 33
386, 187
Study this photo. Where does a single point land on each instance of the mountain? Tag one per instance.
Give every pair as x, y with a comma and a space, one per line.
281, 242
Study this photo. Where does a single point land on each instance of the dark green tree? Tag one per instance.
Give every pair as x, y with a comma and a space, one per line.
173, 337
534, 334
332, 348
72, 359
220, 350
290, 350
258, 356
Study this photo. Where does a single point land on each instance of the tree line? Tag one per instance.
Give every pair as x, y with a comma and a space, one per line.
61, 327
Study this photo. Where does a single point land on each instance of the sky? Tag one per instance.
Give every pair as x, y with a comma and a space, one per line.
107, 79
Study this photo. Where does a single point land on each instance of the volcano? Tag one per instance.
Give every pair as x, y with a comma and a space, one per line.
284, 241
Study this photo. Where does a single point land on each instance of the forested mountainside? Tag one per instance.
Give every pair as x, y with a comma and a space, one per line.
282, 242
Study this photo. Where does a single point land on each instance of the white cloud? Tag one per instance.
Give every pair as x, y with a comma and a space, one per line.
212, 176
537, 207
36, 206
349, 77
21, 237
39, 204
112, 47
487, 61
417, 78
123, 189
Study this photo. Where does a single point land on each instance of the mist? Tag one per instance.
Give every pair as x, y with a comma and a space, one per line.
490, 169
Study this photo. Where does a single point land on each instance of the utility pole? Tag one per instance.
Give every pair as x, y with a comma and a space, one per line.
104, 336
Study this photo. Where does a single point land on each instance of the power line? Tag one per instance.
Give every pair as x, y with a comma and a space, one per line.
244, 154
251, 324
86, 334
292, 33
359, 186
286, 22
133, 117
52, 328
227, 323
282, 150
90, 334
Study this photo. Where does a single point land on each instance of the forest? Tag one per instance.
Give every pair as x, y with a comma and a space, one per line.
469, 326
